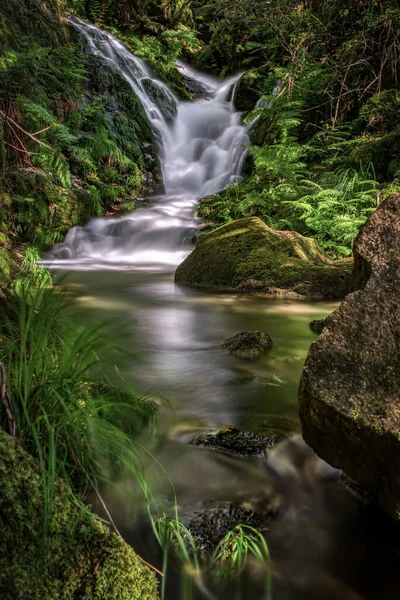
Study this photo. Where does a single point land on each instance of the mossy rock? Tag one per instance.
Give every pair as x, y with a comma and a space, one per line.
83, 559
247, 255
248, 344
8, 265
249, 89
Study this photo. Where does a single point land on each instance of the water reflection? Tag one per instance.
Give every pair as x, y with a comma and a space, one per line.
175, 332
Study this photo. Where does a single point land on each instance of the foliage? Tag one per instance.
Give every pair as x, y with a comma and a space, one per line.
67, 413
72, 132
210, 573
321, 188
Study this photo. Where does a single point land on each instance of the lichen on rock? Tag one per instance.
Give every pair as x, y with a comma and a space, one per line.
247, 255
82, 559
350, 389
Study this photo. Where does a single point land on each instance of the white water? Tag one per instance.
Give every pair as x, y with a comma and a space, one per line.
202, 146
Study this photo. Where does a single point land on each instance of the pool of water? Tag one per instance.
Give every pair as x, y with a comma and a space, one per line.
326, 545
175, 333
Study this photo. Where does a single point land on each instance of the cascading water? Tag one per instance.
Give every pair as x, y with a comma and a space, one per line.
202, 146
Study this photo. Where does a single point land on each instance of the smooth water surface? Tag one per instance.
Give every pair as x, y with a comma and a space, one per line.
175, 332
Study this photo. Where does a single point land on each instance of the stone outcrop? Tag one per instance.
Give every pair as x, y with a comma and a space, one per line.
350, 389
247, 255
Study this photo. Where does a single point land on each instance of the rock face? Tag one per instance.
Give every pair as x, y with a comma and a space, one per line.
350, 390
248, 344
247, 255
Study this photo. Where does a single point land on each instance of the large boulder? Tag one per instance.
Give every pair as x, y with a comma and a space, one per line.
247, 255
350, 389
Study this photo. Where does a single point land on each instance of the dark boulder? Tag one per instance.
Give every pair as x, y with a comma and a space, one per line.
350, 389
248, 344
235, 441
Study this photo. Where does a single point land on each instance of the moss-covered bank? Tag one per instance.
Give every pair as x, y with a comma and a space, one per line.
83, 559
247, 255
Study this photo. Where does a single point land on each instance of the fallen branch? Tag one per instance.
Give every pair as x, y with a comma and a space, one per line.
32, 136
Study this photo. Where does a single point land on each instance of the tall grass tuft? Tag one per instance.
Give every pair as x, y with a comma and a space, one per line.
209, 574
68, 415
230, 557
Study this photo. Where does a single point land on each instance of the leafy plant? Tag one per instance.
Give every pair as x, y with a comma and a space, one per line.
68, 415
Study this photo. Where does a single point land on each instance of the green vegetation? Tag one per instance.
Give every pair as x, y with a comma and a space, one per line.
66, 411
225, 564
321, 93
83, 559
326, 145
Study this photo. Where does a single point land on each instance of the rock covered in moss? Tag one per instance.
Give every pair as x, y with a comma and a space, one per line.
247, 255
248, 344
249, 89
83, 559
350, 389
235, 441
8, 264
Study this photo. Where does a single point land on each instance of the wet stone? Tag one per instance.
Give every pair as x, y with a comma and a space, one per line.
211, 524
242, 443
247, 344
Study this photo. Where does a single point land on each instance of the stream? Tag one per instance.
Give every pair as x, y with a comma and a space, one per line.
120, 271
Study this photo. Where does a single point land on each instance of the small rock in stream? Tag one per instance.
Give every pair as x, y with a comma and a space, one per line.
211, 524
244, 443
317, 326
248, 344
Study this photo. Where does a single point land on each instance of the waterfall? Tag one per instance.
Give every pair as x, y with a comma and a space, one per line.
202, 147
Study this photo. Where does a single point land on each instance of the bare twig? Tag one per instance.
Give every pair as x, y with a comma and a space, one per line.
152, 567
32, 136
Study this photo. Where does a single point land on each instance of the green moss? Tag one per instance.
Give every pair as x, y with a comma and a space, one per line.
83, 560
247, 254
8, 265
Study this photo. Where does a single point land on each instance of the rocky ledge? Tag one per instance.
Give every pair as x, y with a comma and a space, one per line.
350, 389
247, 255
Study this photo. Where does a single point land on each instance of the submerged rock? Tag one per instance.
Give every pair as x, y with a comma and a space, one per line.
248, 255
83, 559
248, 344
233, 440
350, 389
317, 326
210, 524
